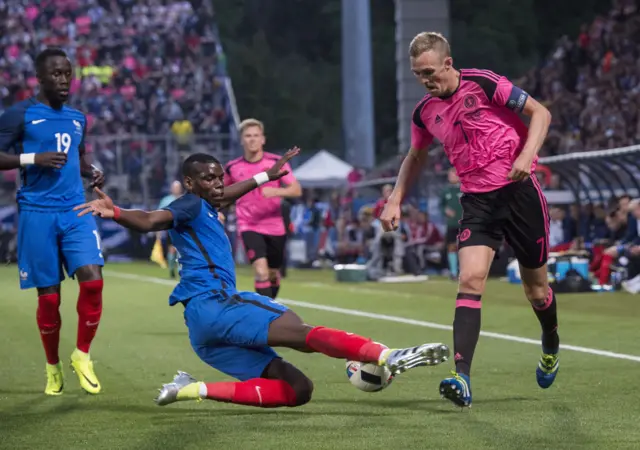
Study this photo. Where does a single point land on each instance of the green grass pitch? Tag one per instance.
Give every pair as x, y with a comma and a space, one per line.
142, 342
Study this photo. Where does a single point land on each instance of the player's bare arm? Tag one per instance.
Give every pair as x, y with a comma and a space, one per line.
293, 190
237, 190
409, 171
135, 219
538, 128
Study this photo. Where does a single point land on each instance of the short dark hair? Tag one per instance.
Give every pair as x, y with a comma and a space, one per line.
45, 54
624, 196
192, 160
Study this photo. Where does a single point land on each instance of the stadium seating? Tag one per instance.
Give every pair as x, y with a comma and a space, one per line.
149, 67
591, 84
141, 65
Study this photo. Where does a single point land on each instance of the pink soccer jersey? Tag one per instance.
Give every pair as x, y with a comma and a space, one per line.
255, 212
479, 127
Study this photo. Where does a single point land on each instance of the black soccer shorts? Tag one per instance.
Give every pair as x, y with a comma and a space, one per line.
517, 212
259, 245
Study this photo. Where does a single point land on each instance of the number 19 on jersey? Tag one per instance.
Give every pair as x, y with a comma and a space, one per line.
63, 141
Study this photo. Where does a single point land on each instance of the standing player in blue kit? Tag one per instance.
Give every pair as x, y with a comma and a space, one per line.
47, 139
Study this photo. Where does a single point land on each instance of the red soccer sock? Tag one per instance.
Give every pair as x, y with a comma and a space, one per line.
261, 392
49, 323
605, 269
89, 311
340, 344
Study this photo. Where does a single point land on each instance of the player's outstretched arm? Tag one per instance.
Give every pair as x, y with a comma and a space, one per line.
409, 171
237, 190
134, 219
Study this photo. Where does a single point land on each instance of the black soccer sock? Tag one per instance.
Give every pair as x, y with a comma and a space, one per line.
263, 288
546, 312
275, 286
466, 330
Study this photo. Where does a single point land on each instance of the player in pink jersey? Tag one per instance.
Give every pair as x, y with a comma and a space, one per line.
259, 213
474, 114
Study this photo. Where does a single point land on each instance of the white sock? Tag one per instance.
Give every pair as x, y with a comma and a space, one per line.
634, 284
203, 390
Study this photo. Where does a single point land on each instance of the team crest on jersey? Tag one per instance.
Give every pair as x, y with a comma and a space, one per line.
469, 101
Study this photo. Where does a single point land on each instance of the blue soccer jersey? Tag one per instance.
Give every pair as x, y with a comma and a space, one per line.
33, 127
51, 238
204, 251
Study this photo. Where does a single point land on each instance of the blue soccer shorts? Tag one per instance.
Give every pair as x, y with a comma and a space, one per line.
228, 330
49, 241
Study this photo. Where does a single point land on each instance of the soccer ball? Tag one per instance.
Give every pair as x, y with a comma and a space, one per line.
368, 377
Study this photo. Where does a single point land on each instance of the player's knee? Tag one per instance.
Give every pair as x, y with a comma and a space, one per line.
303, 387
471, 282
91, 292
90, 273
49, 302
47, 314
536, 290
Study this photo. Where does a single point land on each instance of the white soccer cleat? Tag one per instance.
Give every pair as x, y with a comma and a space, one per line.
402, 359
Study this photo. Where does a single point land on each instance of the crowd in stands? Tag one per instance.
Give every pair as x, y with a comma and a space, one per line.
608, 234
141, 67
338, 231
591, 84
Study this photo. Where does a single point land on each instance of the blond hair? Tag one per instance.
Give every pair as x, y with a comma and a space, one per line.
248, 123
429, 40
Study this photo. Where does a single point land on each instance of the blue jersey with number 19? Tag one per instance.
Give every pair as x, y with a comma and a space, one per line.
33, 127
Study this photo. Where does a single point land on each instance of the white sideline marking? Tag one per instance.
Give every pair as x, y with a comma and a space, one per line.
396, 319
354, 289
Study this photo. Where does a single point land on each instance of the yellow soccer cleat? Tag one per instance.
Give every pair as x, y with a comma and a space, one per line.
82, 365
55, 379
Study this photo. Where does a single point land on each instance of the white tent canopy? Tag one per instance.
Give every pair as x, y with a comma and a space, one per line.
323, 170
